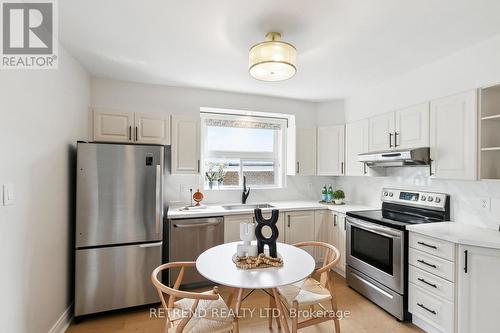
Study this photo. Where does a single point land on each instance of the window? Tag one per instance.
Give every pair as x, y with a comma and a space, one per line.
237, 146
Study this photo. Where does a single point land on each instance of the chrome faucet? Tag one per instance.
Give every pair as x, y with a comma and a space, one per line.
246, 192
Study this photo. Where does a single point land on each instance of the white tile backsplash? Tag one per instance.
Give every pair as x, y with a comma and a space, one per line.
298, 188
465, 195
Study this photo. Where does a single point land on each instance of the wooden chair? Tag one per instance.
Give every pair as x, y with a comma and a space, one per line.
193, 311
314, 290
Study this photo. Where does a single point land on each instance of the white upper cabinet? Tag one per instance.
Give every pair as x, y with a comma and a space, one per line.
330, 161
412, 127
152, 128
306, 152
356, 137
123, 126
478, 292
453, 136
404, 128
185, 145
381, 132
113, 126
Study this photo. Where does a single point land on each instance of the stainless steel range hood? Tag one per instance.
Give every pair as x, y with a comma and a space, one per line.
396, 158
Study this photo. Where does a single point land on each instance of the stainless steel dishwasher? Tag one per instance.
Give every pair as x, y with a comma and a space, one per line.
188, 238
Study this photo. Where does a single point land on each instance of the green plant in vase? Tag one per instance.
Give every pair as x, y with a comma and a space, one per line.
221, 173
338, 197
211, 174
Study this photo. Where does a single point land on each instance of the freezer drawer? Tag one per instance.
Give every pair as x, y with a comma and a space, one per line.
115, 277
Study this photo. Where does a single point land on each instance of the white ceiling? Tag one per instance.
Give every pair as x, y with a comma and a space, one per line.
342, 44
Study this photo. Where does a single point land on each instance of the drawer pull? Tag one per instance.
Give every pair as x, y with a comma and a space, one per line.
427, 309
426, 263
430, 246
427, 283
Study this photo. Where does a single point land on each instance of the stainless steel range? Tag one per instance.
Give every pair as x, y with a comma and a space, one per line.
377, 245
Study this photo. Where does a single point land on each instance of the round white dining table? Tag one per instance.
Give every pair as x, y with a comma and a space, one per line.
216, 264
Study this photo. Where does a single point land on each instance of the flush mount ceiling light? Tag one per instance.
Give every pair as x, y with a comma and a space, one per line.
273, 59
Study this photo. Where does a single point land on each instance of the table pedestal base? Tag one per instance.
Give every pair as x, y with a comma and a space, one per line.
274, 302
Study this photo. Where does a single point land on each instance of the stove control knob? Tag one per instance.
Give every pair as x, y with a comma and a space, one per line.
385, 194
391, 194
423, 198
438, 200
430, 199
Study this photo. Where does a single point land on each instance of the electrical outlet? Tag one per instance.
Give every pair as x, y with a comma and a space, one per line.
485, 203
309, 186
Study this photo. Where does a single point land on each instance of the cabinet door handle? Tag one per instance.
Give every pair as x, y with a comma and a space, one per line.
427, 283
298, 167
431, 173
427, 309
288, 221
390, 140
136, 131
396, 139
430, 246
466, 254
334, 220
130, 133
364, 168
198, 166
426, 263
342, 168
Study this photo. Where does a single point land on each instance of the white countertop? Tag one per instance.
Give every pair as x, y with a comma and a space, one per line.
217, 210
459, 233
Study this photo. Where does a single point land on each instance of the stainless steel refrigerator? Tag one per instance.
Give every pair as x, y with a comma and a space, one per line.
119, 225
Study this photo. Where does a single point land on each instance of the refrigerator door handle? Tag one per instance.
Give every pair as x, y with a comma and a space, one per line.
158, 198
151, 244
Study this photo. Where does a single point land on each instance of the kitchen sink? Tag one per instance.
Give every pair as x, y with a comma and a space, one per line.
247, 206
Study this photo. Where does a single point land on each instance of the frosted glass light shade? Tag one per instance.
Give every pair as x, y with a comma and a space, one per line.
272, 60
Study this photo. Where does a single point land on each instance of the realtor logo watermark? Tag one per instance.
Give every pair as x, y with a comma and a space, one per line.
29, 34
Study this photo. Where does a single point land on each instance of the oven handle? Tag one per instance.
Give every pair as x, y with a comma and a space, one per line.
387, 232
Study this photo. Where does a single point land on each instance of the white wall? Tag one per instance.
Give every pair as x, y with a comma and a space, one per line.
42, 114
330, 113
175, 100
468, 69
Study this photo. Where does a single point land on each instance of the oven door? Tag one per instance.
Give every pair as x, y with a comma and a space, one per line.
376, 251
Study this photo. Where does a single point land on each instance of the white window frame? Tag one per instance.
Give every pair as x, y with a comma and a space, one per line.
278, 156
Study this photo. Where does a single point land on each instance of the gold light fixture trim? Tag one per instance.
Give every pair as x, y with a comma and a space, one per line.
273, 59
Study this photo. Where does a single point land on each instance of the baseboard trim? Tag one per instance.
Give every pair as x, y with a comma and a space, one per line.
62, 324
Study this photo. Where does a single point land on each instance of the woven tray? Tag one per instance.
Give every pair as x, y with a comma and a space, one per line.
241, 263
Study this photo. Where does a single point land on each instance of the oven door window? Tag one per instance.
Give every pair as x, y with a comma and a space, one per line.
373, 249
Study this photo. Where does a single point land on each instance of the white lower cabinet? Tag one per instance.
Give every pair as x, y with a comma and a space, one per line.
339, 225
323, 232
299, 227
431, 287
453, 290
232, 226
478, 291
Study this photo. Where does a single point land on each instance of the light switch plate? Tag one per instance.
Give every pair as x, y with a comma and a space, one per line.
8, 194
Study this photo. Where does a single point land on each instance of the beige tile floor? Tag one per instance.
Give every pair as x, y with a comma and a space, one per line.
365, 317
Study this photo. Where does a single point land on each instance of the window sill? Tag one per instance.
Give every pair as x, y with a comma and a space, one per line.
239, 189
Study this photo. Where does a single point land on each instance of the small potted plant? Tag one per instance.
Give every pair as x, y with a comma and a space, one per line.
338, 197
211, 175
221, 173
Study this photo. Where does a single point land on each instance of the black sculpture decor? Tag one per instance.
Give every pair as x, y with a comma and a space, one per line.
261, 240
